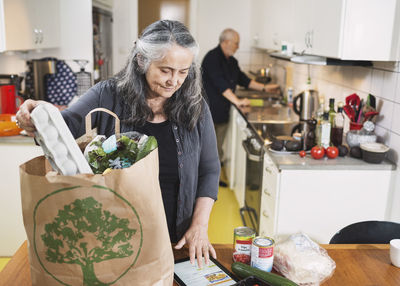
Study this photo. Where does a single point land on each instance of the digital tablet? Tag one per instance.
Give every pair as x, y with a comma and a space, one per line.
186, 274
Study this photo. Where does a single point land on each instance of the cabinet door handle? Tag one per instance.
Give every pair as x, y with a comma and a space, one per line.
266, 192
265, 214
35, 31
41, 36
268, 170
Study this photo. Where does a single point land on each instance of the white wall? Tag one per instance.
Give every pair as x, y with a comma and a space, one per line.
212, 17
125, 30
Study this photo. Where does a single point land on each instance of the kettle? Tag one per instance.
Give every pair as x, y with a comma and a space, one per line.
9, 100
305, 103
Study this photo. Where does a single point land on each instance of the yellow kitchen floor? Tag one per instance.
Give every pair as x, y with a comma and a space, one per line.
224, 216
3, 262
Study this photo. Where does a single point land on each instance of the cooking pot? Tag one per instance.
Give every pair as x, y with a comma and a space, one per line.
263, 75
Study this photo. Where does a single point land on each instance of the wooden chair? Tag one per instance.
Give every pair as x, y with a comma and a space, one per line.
367, 232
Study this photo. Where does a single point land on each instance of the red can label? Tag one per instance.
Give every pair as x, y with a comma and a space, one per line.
243, 238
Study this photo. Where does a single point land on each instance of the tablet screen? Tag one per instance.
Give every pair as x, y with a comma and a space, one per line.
212, 274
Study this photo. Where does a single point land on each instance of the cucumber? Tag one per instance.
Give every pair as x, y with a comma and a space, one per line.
244, 271
149, 146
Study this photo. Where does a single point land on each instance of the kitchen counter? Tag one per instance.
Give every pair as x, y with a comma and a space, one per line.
19, 139
280, 119
356, 264
285, 161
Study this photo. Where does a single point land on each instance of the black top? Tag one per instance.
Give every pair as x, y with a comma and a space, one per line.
168, 174
219, 74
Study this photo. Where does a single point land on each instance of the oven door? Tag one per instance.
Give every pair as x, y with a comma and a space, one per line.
250, 213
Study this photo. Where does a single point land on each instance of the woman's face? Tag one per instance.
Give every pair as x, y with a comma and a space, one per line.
166, 76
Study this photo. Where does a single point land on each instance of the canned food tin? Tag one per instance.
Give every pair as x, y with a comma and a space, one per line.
262, 253
242, 239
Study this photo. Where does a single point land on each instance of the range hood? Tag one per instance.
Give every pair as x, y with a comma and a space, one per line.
318, 60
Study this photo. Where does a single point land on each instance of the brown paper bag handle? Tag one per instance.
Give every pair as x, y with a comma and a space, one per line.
88, 121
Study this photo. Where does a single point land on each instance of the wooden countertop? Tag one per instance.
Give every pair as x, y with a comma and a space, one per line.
356, 264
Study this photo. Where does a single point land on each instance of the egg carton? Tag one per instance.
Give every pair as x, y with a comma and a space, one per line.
57, 142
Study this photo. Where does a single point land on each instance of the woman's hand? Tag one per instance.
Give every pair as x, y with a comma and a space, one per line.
23, 116
196, 236
197, 240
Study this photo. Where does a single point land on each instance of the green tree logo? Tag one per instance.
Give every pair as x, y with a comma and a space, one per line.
66, 238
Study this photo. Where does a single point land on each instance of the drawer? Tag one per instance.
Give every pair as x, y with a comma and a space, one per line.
267, 214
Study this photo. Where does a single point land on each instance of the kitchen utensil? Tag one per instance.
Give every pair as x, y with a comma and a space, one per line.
369, 115
305, 103
359, 111
355, 137
373, 152
263, 75
351, 114
371, 101
353, 100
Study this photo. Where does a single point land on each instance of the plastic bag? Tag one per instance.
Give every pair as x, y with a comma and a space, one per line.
118, 153
302, 260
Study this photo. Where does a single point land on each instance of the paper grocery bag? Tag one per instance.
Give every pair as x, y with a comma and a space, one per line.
96, 229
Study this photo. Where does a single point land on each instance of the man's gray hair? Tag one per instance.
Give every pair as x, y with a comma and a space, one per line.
184, 107
227, 34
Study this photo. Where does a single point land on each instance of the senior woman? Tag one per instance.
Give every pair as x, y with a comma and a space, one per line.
158, 93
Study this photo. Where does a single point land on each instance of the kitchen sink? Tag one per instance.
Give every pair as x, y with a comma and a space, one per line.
273, 120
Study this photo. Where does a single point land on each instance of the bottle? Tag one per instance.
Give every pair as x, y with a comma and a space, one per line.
337, 127
318, 117
332, 112
325, 131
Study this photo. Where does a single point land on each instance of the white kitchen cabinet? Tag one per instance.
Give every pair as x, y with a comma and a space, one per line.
13, 153
271, 23
239, 174
320, 202
343, 29
29, 24
235, 155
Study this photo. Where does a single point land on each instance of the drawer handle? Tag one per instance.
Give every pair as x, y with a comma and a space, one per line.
266, 192
268, 170
265, 214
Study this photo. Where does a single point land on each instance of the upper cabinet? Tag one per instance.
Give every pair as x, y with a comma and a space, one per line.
343, 29
271, 13
29, 24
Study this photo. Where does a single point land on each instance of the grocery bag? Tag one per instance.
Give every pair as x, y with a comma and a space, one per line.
98, 229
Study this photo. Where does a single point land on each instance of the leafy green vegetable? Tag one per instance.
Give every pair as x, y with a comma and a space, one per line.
128, 152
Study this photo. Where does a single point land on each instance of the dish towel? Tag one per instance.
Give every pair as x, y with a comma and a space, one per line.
61, 87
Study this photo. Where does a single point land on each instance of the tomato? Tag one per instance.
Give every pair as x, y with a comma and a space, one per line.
332, 152
241, 257
317, 152
302, 153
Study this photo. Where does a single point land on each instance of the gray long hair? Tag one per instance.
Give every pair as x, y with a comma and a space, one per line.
185, 105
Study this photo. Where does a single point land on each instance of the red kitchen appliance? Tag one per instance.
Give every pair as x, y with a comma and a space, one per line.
9, 100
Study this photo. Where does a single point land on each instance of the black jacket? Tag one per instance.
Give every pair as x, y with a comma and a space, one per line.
219, 74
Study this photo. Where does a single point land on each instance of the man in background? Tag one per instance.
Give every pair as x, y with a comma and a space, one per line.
221, 75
